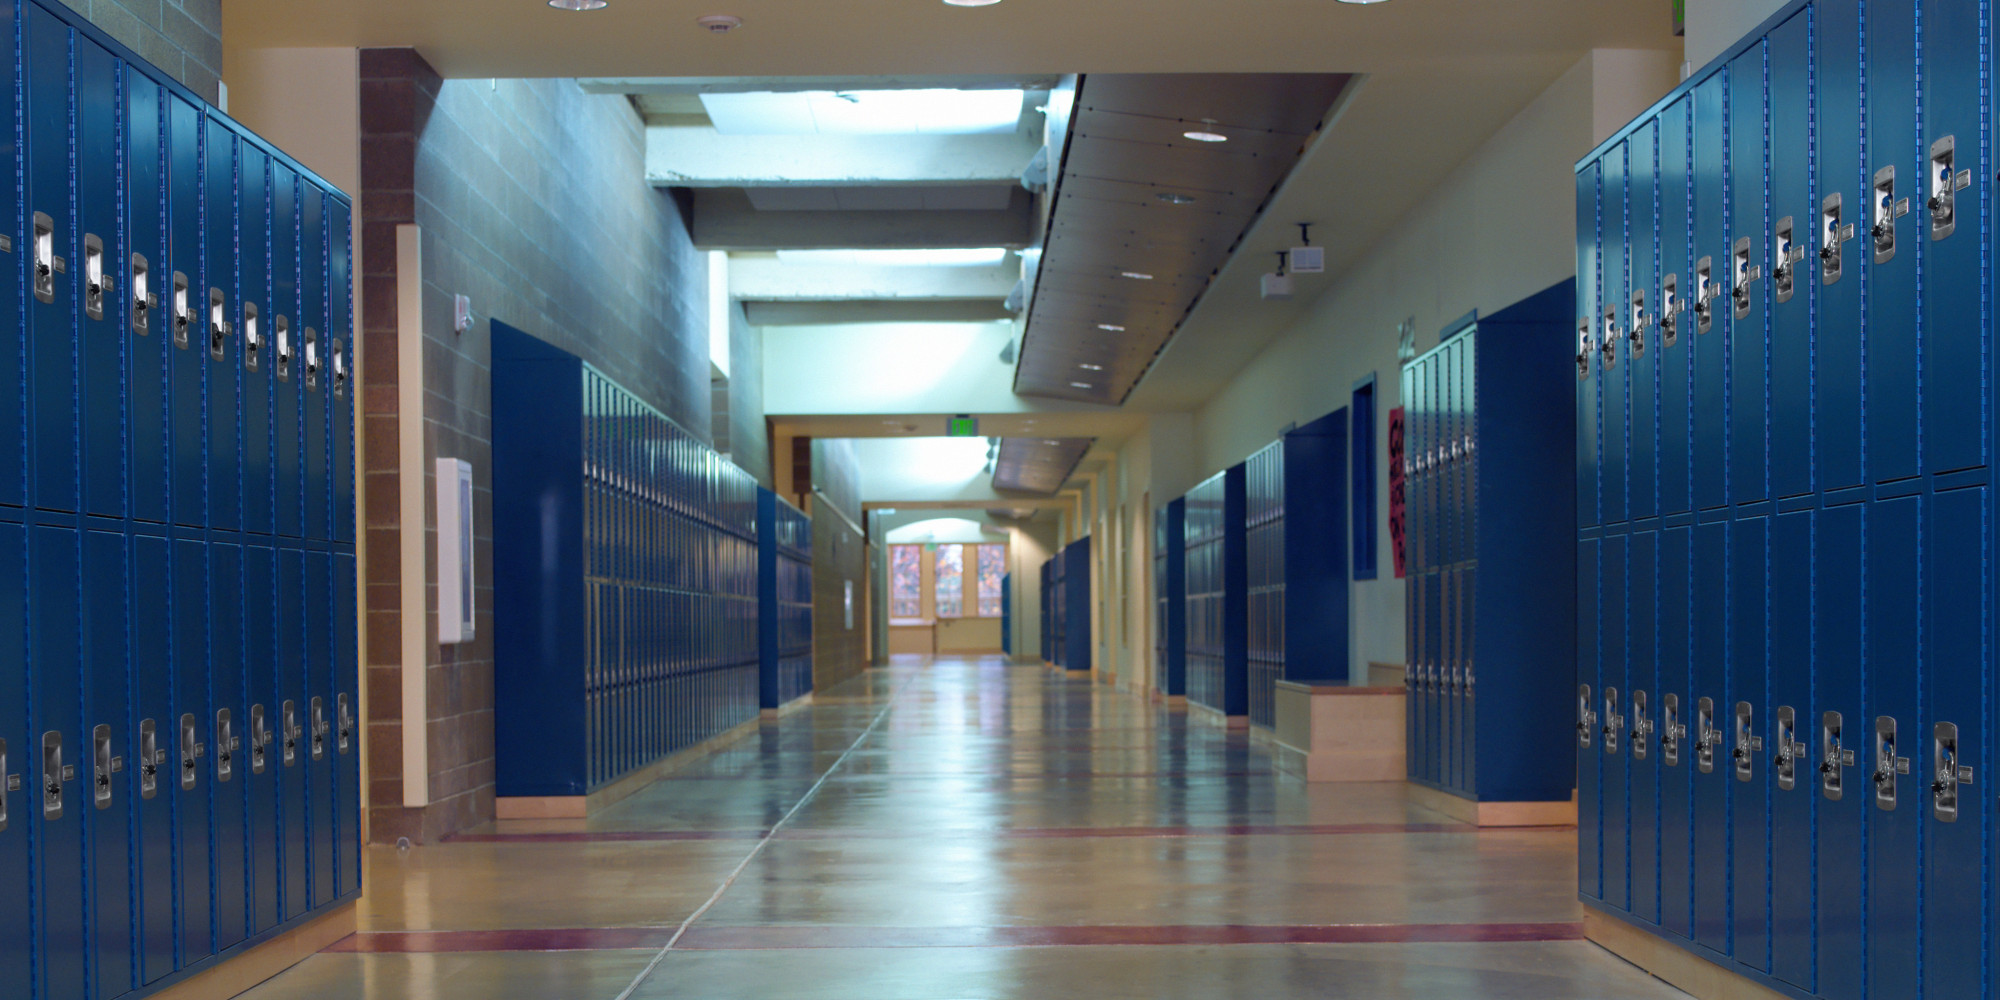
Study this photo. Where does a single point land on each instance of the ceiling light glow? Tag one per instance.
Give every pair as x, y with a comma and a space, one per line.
579, 4
1111, 327
932, 111
962, 257
1202, 135
1080, 385
1136, 275
1175, 198
1091, 368
971, 3
1361, 3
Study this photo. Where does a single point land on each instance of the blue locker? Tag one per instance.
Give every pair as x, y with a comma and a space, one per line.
1709, 304
149, 333
1950, 213
1642, 757
340, 291
1706, 722
1789, 305
1840, 741
100, 208
231, 756
178, 292
1675, 709
13, 347
1792, 736
296, 783
1840, 186
55, 756
1675, 340
1611, 632
102, 791
286, 376
52, 340
1951, 747
191, 751
319, 677
1747, 254
1747, 716
253, 330
17, 805
1894, 242
1614, 369
1890, 745
262, 755
333, 719
217, 305
151, 759
1589, 799
1588, 180
1642, 349
313, 349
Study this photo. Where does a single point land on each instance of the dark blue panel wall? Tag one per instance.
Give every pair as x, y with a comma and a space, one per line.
1315, 618
1170, 593
784, 601
1075, 590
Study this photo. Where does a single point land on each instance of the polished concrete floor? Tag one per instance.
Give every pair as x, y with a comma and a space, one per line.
967, 829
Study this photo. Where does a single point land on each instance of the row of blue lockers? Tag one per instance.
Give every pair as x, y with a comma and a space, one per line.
1066, 607
630, 624
179, 760
1264, 582
1170, 629
1783, 351
1489, 585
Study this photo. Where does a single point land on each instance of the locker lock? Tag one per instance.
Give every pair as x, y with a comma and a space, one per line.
1608, 346
1887, 765
143, 299
253, 338
260, 739
1833, 757
1832, 233
1745, 272
192, 751
1887, 208
1670, 310
150, 759
281, 338
291, 734
1747, 742
226, 745
339, 359
1950, 774
104, 765
1672, 730
319, 728
183, 311
1705, 291
219, 327
1639, 320
1642, 727
46, 262
1946, 182
96, 283
1614, 723
1586, 716
1786, 255
311, 349
1583, 345
1789, 750
1706, 735
55, 774
344, 718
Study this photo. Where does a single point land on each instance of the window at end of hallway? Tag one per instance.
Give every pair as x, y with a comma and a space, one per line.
992, 567
951, 581
906, 581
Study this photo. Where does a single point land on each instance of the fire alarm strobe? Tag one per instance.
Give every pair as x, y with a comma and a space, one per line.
719, 23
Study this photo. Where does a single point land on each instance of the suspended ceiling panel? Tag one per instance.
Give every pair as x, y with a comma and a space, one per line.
1144, 216
1037, 465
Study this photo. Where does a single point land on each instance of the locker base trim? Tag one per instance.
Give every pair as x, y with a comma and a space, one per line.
1171, 701
1340, 733
774, 714
580, 806
241, 972
1478, 813
1214, 716
1690, 973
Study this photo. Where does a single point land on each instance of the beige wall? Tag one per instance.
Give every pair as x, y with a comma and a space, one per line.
1715, 25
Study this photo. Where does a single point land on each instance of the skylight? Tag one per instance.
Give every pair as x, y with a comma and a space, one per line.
984, 257
866, 112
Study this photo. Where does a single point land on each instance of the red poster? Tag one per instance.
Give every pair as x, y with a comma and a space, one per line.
1396, 506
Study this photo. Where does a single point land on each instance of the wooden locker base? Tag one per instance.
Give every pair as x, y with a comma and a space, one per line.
772, 714
1171, 701
581, 806
1214, 717
242, 972
1690, 973
1337, 732
1495, 813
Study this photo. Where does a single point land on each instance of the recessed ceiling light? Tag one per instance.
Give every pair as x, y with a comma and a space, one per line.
1175, 198
1202, 135
971, 3
936, 257
1136, 275
1091, 368
579, 4
1360, 2
1080, 385
1053, 443
719, 23
1112, 327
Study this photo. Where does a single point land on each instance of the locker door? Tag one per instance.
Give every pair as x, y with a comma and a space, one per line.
319, 677
1791, 734
100, 208
1710, 766
1895, 539
56, 749
1641, 301
1893, 243
1449, 721
1749, 262
340, 292
1841, 189
230, 757
1469, 716
296, 783
152, 776
1642, 748
179, 289
1842, 793
14, 249
1675, 707
1790, 262
1709, 304
1613, 356
218, 300
1747, 717
190, 746
52, 354
16, 880
1589, 800
146, 342
1952, 744
101, 796
1587, 363
1675, 321
253, 317
287, 377
1947, 218
1610, 705
262, 756
313, 353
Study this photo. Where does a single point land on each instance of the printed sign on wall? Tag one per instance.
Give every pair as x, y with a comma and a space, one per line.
1396, 505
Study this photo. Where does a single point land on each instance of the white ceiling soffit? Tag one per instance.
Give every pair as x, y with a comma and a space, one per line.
885, 198
1037, 465
1144, 216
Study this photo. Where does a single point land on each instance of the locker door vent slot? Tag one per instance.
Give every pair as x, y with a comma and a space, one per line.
96, 283
343, 716
290, 749
45, 258
1613, 722
260, 739
103, 766
312, 358
1832, 233
53, 776
226, 745
281, 336
1950, 774
339, 360
219, 327
1946, 182
143, 299
1887, 765
150, 758
1639, 321
1785, 758
253, 338
183, 311
192, 751
1608, 344
1672, 730
1670, 310
1785, 254
1583, 346
319, 728
1642, 726
1744, 272
1706, 735
1885, 211
1705, 292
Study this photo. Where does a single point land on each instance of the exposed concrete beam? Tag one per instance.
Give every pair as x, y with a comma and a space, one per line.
725, 220
919, 311
679, 156
668, 86
767, 280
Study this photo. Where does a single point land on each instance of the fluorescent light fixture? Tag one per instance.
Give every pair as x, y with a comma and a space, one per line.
866, 112
1052, 443
971, 3
1136, 275
1361, 3
579, 4
1081, 385
1090, 367
1202, 135
963, 257
1175, 198
1111, 327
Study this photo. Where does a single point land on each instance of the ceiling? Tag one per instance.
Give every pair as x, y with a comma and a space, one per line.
1037, 465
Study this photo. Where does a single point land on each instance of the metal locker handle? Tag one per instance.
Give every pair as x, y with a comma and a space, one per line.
102, 766
219, 327
1637, 334
1833, 756
1642, 727
312, 358
1672, 731
96, 284
1586, 715
226, 745
1613, 722
1789, 750
281, 334
1747, 742
1670, 310
1885, 210
192, 750
290, 750
1832, 233
1705, 292
1946, 182
260, 739
143, 299
183, 311
1583, 345
253, 337
345, 720
1888, 766
1608, 344
53, 775
1950, 774
1744, 273
1786, 254
45, 258
339, 360
319, 727
1706, 736
9, 782
150, 759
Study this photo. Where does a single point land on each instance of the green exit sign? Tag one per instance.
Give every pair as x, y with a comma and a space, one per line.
961, 427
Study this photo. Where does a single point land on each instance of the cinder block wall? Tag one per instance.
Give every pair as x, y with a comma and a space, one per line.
182, 37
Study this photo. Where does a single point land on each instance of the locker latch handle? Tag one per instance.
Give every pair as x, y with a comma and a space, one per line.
319, 728
281, 336
1637, 335
1833, 756
183, 311
1950, 774
192, 750
8, 783
143, 299
1789, 750
339, 359
96, 283
1613, 722
1608, 344
345, 719
104, 765
1705, 291
1672, 731
219, 327
1888, 766
1583, 345
150, 759
1586, 715
1832, 233
1642, 727
290, 753
253, 337
1946, 182
1671, 307
226, 745
1887, 209
311, 348
260, 739
1706, 735
1746, 272
54, 774
1786, 254
46, 261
